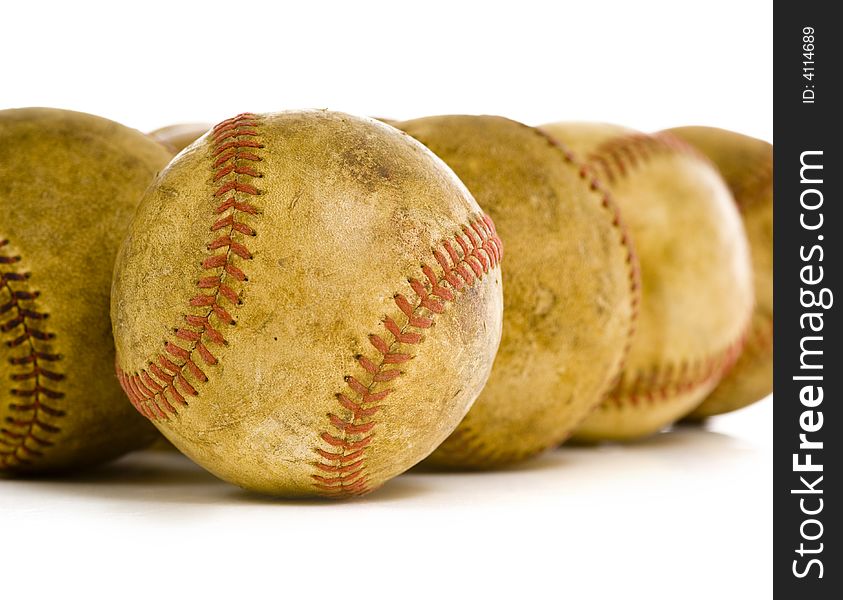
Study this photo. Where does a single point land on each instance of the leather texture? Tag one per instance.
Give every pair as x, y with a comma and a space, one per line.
69, 185
570, 287
308, 303
697, 295
746, 164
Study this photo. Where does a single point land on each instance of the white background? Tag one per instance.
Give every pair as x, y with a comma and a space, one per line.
686, 514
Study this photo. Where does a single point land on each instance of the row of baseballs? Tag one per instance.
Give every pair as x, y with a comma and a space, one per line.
310, 303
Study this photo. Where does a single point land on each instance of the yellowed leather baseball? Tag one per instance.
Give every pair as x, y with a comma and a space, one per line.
179, 136
746, 164
570, 287
69, 185
308, 303
176, 138
696, 294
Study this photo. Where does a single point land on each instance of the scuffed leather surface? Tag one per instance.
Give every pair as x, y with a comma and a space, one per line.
696, 276
69, 185
746, 164
567, 291
349, 210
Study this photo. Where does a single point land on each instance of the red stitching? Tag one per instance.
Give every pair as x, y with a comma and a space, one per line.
25, 436
618, 157
467, 445
587, 174
342, 467
664, 382
158, 390
614, 160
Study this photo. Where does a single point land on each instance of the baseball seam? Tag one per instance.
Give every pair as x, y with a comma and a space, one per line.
25, 436
467, 445
606, 201
663, 382
160, 389
471, 255
760, 336
616, 160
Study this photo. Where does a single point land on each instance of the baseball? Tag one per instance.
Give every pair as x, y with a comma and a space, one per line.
696, 293
307, 303
570, 287
69, 184
179, 136
747, 166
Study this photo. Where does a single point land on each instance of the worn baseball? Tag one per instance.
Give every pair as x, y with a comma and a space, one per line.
308, 303
176, 138
696, 292
179, 136
746, 164
570, 287
69, 184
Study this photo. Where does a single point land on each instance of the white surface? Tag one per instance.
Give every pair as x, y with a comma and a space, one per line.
687, 514
646, 64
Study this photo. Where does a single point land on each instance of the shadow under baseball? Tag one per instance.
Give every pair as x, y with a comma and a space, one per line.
161, 477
